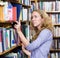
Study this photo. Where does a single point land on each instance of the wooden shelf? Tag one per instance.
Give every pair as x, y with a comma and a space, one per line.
5, 24
56, 37
56, 24
35, 0
23, 5
9, 25
9, 50
54, 50
54, 12
32, 0
24, 21
27, 6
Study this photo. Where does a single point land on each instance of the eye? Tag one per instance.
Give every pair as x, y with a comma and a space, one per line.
35, 16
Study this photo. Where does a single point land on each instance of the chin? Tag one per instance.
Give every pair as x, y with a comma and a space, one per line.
35, 25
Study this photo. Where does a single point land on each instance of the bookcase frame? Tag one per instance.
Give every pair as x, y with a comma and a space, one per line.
5, 24
50, 12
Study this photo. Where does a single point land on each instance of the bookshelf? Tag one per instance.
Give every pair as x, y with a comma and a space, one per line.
6, 24
52, 8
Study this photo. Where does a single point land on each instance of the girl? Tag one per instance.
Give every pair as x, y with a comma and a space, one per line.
42, 25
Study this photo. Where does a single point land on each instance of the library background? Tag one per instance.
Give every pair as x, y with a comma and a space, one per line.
20, 10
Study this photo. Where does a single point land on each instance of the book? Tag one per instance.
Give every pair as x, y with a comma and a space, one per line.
1, 14
24, 14
1, 49
14, 13
19, 8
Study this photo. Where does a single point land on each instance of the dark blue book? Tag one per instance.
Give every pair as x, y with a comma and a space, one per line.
4, 39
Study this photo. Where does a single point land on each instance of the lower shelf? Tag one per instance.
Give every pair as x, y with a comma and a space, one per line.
55, 50
9, 50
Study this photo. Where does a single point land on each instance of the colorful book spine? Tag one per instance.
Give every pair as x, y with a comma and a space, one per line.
1, 49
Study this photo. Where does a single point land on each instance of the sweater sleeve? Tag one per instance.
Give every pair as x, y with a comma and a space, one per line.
43, 37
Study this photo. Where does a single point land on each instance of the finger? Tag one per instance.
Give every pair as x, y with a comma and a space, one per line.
16, 22
22, 45
15, 26
19, 21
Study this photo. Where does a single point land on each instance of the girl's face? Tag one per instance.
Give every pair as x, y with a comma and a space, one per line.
36, 19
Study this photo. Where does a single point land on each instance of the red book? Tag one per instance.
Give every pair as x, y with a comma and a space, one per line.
14, 13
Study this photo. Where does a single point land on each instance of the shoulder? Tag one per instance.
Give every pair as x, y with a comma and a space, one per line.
46, 32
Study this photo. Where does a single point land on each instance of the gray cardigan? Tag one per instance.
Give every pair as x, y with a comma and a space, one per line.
40, 47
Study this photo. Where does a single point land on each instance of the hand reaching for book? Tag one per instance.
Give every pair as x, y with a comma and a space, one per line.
17, 26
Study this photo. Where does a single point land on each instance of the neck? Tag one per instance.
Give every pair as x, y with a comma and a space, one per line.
39, 27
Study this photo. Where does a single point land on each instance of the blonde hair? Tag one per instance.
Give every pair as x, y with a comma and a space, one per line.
46, 24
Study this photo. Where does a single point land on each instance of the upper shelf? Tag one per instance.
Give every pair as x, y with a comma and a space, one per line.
9, 24
23, 5
26, 6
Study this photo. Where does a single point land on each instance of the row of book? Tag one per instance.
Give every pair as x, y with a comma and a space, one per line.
8, 12
47, 5
26, 2
8, 38
56, 31
55, 18
27, 31
55, 55
12, 12
56, 44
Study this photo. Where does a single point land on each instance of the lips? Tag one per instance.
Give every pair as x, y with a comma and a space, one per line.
34, 22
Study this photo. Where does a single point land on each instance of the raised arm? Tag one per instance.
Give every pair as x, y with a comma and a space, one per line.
21, 35
44, 36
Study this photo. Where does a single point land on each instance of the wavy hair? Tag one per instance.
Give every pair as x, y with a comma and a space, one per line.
46, 24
